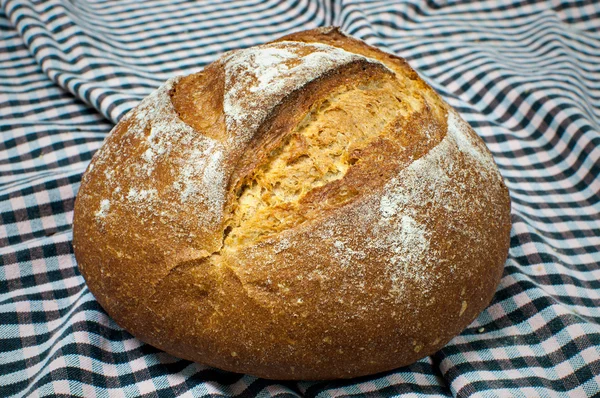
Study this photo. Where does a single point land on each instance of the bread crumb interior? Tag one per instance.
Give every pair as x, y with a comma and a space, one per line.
321, 149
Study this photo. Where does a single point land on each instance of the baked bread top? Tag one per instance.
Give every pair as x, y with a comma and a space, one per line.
304, 209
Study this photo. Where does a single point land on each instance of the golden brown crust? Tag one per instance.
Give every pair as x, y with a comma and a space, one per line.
383, 264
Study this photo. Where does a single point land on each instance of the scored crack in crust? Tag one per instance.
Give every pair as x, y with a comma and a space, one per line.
319, 150
304, 209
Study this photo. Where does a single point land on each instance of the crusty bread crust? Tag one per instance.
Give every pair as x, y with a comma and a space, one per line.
380, 265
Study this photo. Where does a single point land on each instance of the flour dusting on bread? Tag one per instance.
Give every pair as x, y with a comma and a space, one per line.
258, 78
165, 140
469, 144
103, 210
409, 244
427, 182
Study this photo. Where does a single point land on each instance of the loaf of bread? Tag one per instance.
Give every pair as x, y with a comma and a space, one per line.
304, 209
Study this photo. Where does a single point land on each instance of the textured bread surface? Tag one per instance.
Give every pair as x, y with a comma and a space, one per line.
318, 151
304, 209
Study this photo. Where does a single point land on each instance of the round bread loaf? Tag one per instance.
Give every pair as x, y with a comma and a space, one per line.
303, 209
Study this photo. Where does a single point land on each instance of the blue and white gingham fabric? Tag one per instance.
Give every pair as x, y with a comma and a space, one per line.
525, 74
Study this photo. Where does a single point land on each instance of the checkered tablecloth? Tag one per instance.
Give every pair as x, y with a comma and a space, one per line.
525, 74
